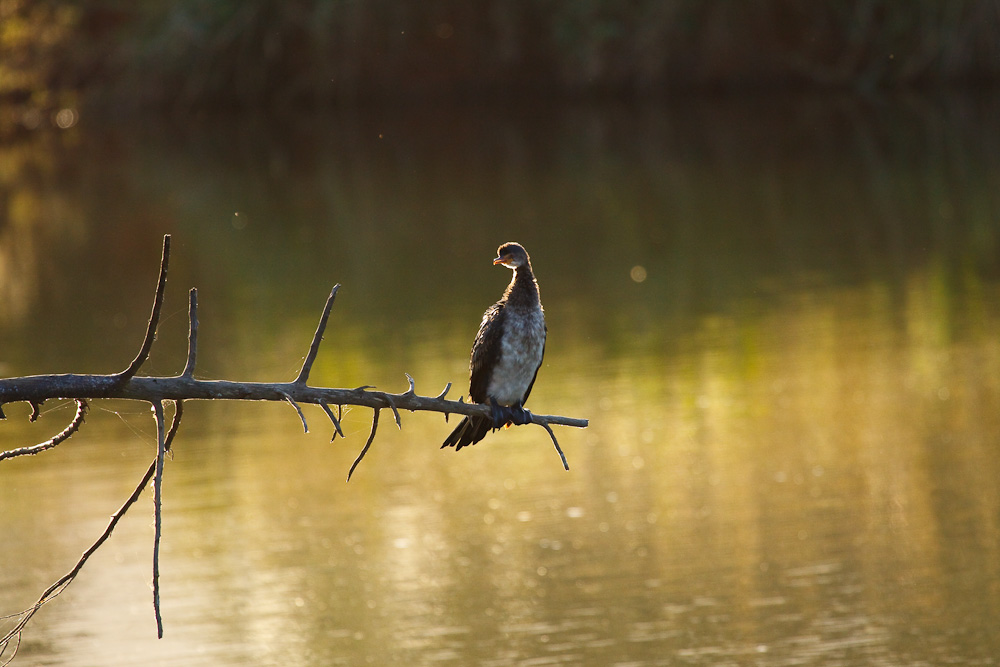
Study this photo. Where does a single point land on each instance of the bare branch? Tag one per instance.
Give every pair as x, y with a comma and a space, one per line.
368, 444
81, 412
161, 450
154, 317
317, 337
149, 389
192, 332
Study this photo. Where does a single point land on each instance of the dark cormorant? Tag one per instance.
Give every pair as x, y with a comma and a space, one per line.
507, 352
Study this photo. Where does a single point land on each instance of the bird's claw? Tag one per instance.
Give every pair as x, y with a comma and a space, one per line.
503, 415
498, 414
519, 416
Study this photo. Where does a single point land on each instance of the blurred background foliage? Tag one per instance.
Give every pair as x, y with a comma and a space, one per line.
193, 54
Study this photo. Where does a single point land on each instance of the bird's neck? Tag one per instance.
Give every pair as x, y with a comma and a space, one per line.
522, 290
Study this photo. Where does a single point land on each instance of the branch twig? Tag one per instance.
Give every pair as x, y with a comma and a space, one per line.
291, 401
192, 333
317, 337
81, 412
161, 450
555, 442
368, 444
154, 318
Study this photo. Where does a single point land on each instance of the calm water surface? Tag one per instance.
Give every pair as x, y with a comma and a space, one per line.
780, 317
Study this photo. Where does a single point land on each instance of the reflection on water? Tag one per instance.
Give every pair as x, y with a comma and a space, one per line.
793, 451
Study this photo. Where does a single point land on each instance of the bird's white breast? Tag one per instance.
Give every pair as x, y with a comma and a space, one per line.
521, 346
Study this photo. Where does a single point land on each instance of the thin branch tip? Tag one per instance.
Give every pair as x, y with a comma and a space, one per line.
371, 438
307, 364
161, 450
555, 442
154, 317
192, 333
298, 409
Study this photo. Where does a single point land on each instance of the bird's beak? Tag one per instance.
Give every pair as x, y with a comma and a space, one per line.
501, 259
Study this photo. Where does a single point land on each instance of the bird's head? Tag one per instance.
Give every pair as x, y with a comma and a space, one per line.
512, 255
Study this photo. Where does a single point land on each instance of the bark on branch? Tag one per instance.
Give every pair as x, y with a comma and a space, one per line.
37, 389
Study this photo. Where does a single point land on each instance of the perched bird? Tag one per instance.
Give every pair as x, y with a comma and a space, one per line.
507, 352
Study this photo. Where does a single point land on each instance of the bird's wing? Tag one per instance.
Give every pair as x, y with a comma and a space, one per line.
486, 352
533, 377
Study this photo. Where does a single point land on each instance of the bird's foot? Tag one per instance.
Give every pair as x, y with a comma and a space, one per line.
499, 413
505, 415
519, 416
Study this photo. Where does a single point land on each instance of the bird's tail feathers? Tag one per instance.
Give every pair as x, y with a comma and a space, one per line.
469, 431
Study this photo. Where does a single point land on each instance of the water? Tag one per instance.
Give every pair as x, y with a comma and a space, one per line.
780, 317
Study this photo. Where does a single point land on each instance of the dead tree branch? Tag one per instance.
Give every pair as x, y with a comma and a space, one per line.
37, 389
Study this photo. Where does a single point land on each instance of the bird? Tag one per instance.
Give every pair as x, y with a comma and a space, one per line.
506, 354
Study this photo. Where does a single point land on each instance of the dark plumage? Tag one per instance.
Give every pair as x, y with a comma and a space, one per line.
507, 352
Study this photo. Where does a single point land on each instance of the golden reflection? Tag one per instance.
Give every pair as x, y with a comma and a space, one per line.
792, 455
811, 478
